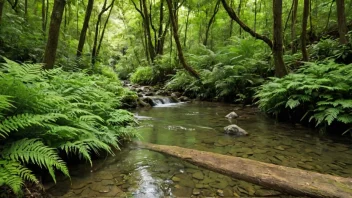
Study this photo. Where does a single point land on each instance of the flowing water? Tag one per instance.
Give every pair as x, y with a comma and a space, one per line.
135, 172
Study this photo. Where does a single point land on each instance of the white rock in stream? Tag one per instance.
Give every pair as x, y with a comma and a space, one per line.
232, 115
235, 130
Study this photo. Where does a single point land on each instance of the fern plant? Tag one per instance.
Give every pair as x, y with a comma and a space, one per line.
46, 112
318, 92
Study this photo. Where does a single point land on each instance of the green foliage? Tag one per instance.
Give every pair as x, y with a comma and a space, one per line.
318, 92
46, 112
227, 75
143, 76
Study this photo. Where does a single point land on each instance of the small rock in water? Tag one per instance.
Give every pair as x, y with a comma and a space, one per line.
235, 130
196, 192
280, 148
198, 175
183, 99
220, 193
176, 179
232, 115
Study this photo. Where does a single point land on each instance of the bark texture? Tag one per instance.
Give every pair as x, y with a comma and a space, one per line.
280, 68
234, 17
177, 41
341, 21
285, 179
82, 37
304, 30
54, 32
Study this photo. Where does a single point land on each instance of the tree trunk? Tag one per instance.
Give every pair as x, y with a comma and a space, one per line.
234, 17
255, 15
177, 41
304, 30
211, 21
293, 26
186, 29
82, 37
280, 68
54, 32
285, 179
147, 28
104, 28
2, 2
341, 21
97, 27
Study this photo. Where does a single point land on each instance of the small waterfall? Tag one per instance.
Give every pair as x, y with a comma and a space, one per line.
163, 100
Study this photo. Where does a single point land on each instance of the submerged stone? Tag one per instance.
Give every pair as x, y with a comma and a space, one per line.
198, 175
235, 130
196, 191
232, 115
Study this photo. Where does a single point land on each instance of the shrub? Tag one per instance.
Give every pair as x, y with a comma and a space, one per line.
143, 76
46, 112
319, 93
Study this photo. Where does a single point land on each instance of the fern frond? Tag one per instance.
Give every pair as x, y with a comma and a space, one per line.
35, 152
13, 173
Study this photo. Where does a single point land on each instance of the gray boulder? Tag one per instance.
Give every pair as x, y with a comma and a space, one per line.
232, 115
235, 130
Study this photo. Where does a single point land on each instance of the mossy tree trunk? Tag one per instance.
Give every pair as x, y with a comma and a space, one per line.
54, 32
280, 68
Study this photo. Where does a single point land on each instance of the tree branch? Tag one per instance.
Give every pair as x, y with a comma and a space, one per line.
234, 17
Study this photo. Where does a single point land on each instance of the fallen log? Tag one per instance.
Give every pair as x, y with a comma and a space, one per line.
285, 179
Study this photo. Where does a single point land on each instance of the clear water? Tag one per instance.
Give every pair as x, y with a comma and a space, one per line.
135, 172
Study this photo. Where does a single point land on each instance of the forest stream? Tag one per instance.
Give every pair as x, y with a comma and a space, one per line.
136, 172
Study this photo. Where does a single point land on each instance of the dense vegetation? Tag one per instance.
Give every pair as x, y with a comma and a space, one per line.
61, 95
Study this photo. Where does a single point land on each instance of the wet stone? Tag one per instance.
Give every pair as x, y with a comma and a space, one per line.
98, 187
198, 175
280, 148
78, 184
196, 191
280, 157
220, 193
187, 183
266, 193
219, 184
107, 182
176, 179
305, 166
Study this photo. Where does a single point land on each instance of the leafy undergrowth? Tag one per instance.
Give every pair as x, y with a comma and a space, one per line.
43, 113
319, 93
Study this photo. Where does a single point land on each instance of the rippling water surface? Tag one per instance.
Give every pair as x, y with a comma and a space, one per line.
135, 172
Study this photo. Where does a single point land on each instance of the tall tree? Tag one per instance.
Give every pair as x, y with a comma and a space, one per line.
104, 28
97, 29
148, 32
293, 26
341, 21
304, 30
211, 21
280, 69
177, 41
54, 32
82, 37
